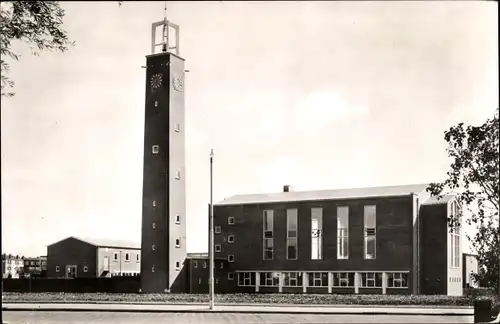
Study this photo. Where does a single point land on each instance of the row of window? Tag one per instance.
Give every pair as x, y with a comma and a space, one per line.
317, 233
85, 269
177, 245
320, 279
177, 266
195, 264
127, 257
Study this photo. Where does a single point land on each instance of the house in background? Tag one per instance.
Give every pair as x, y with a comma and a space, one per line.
381, 240
470, 267
77, 257
35, 267
12, 266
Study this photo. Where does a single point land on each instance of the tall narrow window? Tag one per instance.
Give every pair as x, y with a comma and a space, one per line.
455, 236
316, 233
342, 232
370, 232
268, 235
291, 234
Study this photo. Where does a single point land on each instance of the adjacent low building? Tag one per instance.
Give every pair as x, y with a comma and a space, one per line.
35, 267
470, 268
383, 240
77, 257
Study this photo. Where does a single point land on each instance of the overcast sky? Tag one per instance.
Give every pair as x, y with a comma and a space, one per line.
319, 95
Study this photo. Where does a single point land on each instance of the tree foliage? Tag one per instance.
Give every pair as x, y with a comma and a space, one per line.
474, 178
39, 24
35, 23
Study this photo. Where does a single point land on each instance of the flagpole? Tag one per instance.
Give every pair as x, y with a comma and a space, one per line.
211, 234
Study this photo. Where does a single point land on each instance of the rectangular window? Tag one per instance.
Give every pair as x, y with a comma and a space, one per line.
177, 265
343, 232
269, 279
455, 237
115, 256
153, 225
155, 149
268, 234
292, 279
195, 264
138, 257
343, 279
127, 259
230, 258
217, 248
316, 233
246, 279
318, 279
230, 239
58, 269
397, 280
370, 215
177, 174
371, 279
177, 219
85, 268
291, 234
204, 264
230, 276
177, 127
217, 230
177, 243
230, 220
153, 247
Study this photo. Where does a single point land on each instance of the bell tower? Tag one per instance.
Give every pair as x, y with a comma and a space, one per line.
163, 244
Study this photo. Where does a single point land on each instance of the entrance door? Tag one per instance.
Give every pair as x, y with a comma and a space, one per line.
105, 263
71, 271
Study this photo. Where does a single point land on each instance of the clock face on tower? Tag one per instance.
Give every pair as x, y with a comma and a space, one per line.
156, 81
178, 83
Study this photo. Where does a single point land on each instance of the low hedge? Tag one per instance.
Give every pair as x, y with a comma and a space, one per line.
322, 299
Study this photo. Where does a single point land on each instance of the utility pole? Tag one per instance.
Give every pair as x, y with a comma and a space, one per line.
211, 236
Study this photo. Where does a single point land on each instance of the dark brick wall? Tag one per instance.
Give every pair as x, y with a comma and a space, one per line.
394, 235
78, 285
434, 249
71, 252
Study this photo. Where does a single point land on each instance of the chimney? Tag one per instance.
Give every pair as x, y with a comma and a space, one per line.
287, 188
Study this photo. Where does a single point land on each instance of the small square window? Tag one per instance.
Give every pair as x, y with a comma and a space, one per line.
217, 248
58, 269
230, 276
195, 264
154, 203
177, 243
204, 264
156, 103
216, 281
222, 265
153, 269
199, 281
85, 269
230, 239
177, 265
178, 174
230, 220
154, 225
177, 219
230, 258
217, 230
177, 128
155, 149
153, 247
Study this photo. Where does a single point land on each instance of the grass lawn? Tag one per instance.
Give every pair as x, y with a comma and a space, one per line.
320, 299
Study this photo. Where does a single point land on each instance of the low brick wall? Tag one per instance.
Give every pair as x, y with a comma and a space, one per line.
76, 285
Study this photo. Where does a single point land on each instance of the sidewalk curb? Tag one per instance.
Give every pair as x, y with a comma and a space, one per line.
216, 311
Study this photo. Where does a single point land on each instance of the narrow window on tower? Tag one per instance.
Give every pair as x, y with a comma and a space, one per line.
455, 236
343, 232
156, 103
177, 127
218, 230
153, 268
178, 174
155, 149
217, 248
153, 247
230, 220
230, 239
268, 234
370, 232
177, 219
177, 265
230, 258
177, 243
291, 234
154, 203
154, 225
316, 233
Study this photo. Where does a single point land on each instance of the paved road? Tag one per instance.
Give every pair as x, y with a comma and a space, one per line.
39, 317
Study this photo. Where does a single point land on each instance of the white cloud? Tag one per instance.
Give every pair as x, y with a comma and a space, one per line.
318, 109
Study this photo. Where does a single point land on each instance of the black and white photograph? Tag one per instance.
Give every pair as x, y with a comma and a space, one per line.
250, 162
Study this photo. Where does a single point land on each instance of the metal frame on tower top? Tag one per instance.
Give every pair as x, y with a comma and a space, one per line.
165, 43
